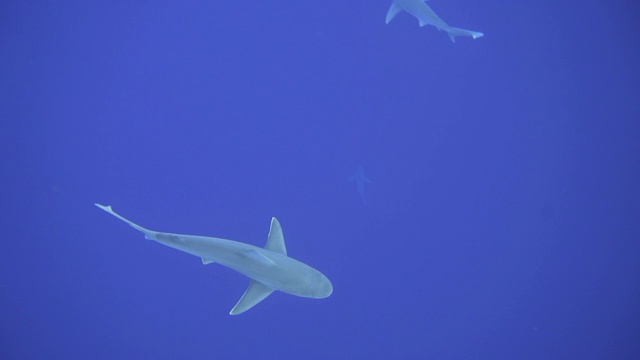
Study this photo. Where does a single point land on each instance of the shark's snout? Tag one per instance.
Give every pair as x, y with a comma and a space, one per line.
322, 287
327, 289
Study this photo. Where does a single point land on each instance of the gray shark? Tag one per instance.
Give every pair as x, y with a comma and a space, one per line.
269, 268
360, 180
426, 16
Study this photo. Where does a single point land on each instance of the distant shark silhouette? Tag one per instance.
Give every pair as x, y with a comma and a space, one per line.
426, 16
269, 269
360, 180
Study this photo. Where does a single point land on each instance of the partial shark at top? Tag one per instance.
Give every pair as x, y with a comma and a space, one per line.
426, 16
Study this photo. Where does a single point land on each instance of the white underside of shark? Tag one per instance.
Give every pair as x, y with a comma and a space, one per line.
426, 16
269, 268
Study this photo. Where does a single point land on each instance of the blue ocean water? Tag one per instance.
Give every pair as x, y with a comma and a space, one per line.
502, 218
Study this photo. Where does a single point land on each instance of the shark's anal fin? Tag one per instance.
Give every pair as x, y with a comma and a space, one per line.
275, 241
255, 293
207, 261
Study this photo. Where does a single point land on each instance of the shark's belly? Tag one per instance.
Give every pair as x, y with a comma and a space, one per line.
275, 271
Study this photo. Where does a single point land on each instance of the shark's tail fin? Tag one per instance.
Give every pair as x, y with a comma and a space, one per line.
149, 234
453, 32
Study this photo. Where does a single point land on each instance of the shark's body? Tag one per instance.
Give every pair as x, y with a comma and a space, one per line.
361, 180
426, 16
269, 268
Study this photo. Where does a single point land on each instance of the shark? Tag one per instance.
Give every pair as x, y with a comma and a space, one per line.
361, 180
269, 268
426, 16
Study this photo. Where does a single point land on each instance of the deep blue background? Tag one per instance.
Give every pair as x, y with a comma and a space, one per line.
503, 218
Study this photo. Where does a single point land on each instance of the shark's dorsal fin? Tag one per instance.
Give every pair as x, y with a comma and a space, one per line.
275, 242
394, 9
255, 293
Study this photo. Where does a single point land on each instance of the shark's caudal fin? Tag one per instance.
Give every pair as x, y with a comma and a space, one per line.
453, 32
148, 233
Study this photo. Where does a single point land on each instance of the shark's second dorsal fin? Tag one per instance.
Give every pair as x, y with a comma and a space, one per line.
275, 242
255, 293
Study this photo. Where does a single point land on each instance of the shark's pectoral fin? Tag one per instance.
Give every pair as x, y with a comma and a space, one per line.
255, 293
206, 261
394, 9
